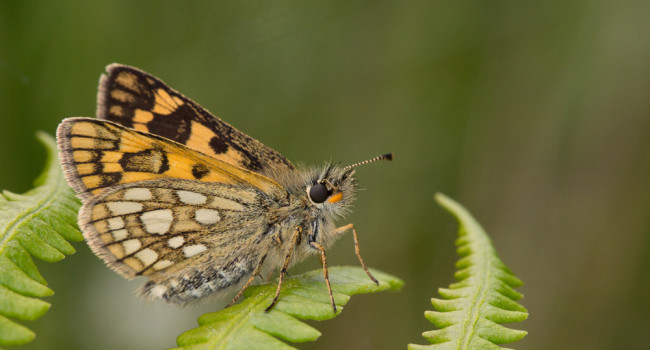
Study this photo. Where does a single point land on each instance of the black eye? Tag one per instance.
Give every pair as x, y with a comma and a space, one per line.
318, 193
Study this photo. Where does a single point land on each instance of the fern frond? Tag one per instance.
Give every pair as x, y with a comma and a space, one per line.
37, 223
471, 311
247, 326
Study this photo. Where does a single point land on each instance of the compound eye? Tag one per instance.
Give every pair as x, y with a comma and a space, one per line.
318, 193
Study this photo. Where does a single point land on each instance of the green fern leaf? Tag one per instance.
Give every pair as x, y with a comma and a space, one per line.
37, 223
471, 311
247, 326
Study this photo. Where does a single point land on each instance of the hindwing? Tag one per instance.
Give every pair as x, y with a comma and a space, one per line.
169, 225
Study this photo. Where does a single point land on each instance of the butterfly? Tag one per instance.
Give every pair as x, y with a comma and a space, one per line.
177, 195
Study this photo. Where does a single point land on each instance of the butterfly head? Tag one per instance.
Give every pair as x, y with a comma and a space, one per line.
334, 187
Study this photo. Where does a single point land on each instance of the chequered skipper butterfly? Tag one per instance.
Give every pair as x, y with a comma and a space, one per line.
175, 194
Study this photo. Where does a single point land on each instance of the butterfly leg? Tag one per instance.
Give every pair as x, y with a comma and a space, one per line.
342, 230
256, 272
294, 241
323, 261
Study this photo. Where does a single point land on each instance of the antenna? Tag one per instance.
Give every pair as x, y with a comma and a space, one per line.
387, 156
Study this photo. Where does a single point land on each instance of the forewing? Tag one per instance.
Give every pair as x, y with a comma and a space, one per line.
98, 155
160, 228
138, 100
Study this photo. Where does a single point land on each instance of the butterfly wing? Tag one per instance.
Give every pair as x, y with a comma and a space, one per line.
135, 99
191, 223
97, 155
189, 237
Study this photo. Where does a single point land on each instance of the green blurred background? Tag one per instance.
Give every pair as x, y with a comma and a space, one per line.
536, 116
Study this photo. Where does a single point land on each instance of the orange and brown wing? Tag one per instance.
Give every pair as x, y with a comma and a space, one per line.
97, 155
135, 99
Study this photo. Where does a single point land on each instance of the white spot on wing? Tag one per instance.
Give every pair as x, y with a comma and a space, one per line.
207, 216
176, 242
115, 223
147, 256
119, 235
228, 204
192, 250
158, 291
192, 198
162, 264
137, 194
157, 221
131, 246
123, 208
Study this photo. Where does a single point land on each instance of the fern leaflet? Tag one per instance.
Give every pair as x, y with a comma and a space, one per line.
470, 311
37, 223
247, 326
